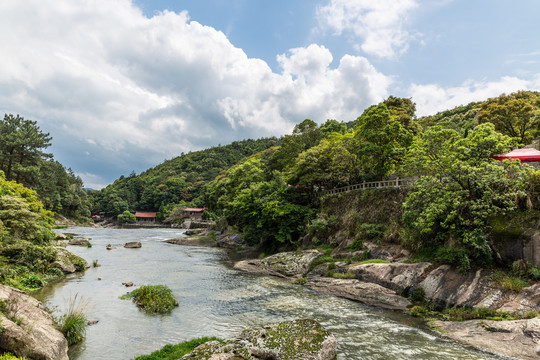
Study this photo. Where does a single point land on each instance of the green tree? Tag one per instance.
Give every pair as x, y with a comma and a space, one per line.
403, 110
516, 115
382, 141
21, 149
127, 217
461, 187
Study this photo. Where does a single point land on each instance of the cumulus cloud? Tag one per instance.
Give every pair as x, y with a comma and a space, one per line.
105, 80
378, 25
432, 98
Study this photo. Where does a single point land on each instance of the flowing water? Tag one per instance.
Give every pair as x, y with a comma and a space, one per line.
216, 300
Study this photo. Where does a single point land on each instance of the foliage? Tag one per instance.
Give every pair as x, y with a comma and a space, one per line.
173, 352
127, 217
462, 187
154, 299
74, 322
23, 160
516, 115
9, 356
382, 141
461, 119
21, 145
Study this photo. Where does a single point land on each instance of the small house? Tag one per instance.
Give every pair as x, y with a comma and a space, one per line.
145, 217
193, 213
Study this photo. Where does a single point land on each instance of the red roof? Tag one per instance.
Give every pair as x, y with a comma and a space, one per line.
195, 209
141, 214
524, 155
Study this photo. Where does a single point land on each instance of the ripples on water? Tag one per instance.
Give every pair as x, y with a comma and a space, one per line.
216, 300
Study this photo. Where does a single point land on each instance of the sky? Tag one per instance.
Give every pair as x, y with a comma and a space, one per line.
122, 85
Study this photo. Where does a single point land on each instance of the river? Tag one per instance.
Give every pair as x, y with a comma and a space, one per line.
216, 300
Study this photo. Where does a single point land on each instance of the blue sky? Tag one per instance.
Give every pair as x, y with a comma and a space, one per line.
123, 85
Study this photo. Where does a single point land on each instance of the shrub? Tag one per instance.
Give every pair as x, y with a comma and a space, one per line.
79, 263
9, 356
126, 217
417, 295
74, 322
173, 352
154, 299
32, 281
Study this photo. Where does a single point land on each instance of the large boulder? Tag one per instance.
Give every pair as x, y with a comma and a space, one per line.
293, 340
517, 338
28, 328
68, 262
80, 242
395, 276
367, 293
293, 264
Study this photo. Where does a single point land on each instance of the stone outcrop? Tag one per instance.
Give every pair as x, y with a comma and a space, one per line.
28, 328
517, 338
133, 245
293, 264
395, 276
293, 340
367, 293
65, 261
193, 241
80, 242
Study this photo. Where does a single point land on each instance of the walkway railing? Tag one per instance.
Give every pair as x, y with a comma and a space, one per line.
394, 183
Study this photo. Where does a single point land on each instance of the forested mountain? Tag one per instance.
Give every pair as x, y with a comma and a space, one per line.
176, 182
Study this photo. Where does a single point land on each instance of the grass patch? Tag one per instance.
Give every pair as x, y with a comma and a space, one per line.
337, 275
173, 352
461, 314
509, 281
74, 322
373, 261
300, 281
154, 299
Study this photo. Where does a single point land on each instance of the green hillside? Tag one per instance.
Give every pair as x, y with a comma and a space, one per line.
176, 182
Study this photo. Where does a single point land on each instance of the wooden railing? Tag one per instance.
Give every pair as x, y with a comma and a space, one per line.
394, 183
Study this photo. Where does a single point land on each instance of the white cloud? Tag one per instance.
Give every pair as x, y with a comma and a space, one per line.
433, 98
379, 25
137, 89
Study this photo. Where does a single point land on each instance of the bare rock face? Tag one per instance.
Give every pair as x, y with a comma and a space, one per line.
517, 338
447, 287
288, 264
133, 245
28, 329
367, 293
395, 276
293, 340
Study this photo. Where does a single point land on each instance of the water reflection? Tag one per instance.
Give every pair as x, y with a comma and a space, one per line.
216, 300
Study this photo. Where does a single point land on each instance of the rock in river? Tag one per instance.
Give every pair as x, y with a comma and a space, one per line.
28, 328
133, 245
293, 340
287, 264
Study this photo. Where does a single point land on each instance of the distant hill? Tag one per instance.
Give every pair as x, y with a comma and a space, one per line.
177, 181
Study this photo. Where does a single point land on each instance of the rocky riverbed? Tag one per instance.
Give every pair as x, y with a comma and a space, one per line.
384, 284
